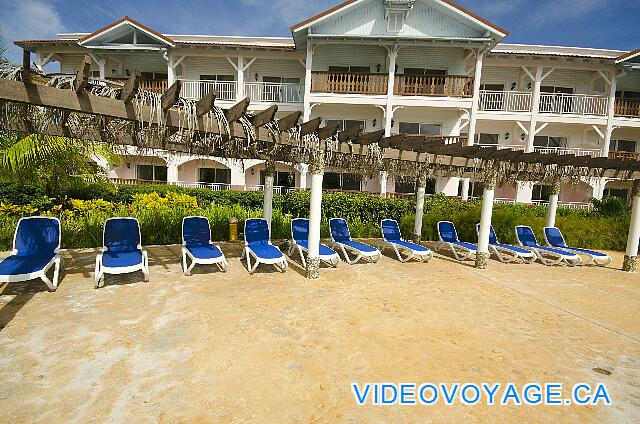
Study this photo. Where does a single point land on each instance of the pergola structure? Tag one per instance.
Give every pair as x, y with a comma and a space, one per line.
77, 107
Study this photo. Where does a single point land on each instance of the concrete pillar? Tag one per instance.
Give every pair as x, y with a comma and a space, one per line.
610, 115
477, 77
315, 216
524, 192
482, 255
303, 169
553, 204
535, 109
306, 114
269, 176
388, 114
240, 83
631, 256
170, 71
172, 171
384, 177
417, 225
465, 188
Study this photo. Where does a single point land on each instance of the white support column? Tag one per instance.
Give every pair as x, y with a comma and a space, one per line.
388, 113
482, 256
553, 204
307, 83
303, 169
477, 77
466, 182
383, 177
417, 225
631, 256
610, 115
315, 216
240, 80
535, 108
172, 172
269, 176
524, 192
170, 71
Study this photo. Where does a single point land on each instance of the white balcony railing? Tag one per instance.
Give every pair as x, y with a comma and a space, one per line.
568, 205
573, 104
276, 189
568, 151
505, 101
274, 92
210, 186
197, 89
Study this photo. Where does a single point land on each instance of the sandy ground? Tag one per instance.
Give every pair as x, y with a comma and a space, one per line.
277, 348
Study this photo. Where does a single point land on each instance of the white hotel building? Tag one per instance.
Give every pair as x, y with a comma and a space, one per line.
414, 66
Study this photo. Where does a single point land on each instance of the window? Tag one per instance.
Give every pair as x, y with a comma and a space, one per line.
151, 172
95, 74
623, 146
346, 124
426, 71
476, 189
626, 94
621, 193
488, 139
492, 87
556, 103
279, 89
281, 179
541, 193
422, 129
221, 78
395, 20
352, 69
153, 76
544, 141
341, 181
409, 185
214, 175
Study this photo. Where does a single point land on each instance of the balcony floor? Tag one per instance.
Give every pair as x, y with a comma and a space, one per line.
276, 347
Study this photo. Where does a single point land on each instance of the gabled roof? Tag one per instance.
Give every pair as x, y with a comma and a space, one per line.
127, 21
628, 56
447, 3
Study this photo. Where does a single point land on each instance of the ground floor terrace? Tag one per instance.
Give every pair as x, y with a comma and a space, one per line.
272, 347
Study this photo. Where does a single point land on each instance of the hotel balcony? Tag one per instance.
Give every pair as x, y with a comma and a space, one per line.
548, 150
404, 85
156, 86
552, 103
196, 89
628, 108
274, 92
624, 155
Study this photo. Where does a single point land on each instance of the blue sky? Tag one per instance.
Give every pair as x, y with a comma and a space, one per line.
585, 23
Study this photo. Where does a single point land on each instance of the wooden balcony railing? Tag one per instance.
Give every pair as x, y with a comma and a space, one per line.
624, 155
425, 85
628, 108
348, 83
157, 86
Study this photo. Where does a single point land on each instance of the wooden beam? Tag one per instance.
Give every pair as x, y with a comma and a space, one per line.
348, 135
237, 111
392, 141
369, 138
130, 89
328, 131
262, 118
310, 126
26, 66
82, 76
287, 122
171, 96
205, 104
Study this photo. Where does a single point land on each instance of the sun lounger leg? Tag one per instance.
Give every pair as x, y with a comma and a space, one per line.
98, 271
145, 265
304, 262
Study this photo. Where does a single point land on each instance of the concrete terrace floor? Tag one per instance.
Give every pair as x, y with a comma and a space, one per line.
277, 348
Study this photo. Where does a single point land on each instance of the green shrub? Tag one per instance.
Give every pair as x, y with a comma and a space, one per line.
20, 194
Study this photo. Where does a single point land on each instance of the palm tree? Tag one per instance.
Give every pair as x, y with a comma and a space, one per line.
56, 163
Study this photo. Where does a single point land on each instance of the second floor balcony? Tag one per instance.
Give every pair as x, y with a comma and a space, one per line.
404, 85
624, 155
553, 103
628, 108
196, 89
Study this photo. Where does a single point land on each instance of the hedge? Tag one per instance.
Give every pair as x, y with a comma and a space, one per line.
604, 228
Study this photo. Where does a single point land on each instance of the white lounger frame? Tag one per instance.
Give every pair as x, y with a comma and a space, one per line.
421, 256
281, 264
332, 260
590, 259
102, 270
549, 258
372, 257
220, 262
56, 262
459, 252
507, 255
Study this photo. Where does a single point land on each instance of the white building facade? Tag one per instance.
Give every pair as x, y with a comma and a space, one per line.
414, 66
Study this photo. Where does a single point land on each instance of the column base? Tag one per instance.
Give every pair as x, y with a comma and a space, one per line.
630, 263
313, 268
482, 260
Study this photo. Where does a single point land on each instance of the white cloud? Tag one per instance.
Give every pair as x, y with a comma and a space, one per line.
28, 19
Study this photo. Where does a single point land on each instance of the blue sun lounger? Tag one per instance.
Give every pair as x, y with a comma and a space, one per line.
449, 240
507, 252
547, 255
197, 245
554, 238
393, 239
36, 248
258, 245
122, 251
342, 238
300, 242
